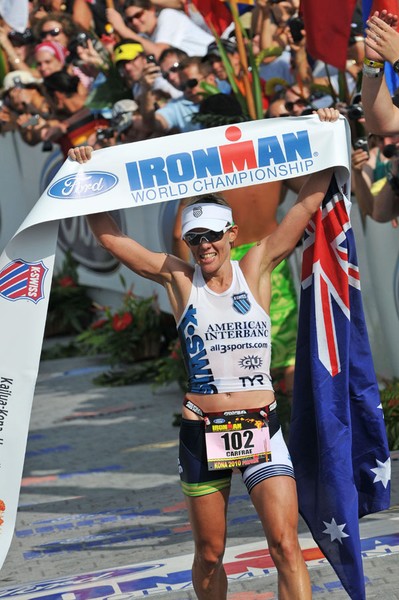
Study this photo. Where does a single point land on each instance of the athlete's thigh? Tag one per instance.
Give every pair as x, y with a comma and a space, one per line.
276, 502
208, 516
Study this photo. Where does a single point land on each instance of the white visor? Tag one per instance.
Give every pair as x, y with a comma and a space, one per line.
206, 216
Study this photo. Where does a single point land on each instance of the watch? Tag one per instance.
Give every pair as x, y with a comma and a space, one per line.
395, 66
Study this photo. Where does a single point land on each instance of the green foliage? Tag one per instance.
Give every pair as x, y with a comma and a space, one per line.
390, 405
68, 350
70, 305
107, 93
170, 368
130, 333
142, 372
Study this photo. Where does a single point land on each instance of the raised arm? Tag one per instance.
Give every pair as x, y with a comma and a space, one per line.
157, 266
281, 242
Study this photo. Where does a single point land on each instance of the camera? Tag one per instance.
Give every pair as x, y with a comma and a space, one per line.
79, 40
355, 112
19, 39
150, 58
296, 25
361, 144
31, 122
104, 134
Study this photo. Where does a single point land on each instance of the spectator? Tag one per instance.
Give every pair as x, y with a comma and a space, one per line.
18, 48
80, 10
61, 28
25, 107
376, 181
56, 26
133, 65
50, 57
297, 99
277, 108
213, 56
73, 123
158, 31
169, 62
177, 114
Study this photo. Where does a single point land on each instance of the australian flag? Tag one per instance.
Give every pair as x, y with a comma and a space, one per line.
337, 437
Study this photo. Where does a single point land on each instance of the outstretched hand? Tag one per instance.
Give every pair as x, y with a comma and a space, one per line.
81, 154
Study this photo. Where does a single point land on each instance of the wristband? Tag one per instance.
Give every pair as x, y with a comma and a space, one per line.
373, 63
372, 71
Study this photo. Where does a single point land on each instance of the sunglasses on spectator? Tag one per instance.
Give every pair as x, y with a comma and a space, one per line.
173, 69
300, 102
136, 15
53, 32
194, 238
190, 84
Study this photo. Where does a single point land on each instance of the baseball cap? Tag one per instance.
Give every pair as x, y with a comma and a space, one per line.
19, 79
228, 45
127, 52
206, 216
122, 114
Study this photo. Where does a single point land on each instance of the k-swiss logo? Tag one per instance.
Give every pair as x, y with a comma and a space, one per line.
20, 280
241, 303
197, 211
251, 362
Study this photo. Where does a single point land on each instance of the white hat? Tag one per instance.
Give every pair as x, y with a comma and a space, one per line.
122, 114
206, 216
19, 78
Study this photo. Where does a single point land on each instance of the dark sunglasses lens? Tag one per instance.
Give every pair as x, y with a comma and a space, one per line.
52, 32
190, 84
195, 239
138, 15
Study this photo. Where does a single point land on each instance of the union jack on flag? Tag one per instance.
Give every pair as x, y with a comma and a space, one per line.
337, 436
326, 266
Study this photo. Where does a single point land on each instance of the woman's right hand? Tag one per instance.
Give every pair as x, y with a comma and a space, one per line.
81, 154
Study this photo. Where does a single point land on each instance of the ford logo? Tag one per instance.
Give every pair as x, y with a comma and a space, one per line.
219, 421
83, 185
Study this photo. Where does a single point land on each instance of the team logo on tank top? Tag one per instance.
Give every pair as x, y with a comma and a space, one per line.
241, 303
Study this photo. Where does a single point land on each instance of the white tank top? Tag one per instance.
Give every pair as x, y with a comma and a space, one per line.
225, 338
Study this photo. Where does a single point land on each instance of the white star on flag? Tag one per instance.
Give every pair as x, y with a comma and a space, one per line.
382, 472
335, 531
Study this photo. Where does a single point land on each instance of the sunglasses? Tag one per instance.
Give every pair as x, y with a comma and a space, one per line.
137, 15
300, 102
173, 69
195, 239
53, 32
189, 84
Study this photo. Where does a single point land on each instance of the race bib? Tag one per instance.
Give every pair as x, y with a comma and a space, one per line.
236, 438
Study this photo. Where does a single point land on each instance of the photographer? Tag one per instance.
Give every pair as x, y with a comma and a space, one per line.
376, 178
25, 106
18, 48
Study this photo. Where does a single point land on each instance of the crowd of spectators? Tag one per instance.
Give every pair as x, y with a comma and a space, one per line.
67, 73
89, 73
